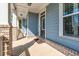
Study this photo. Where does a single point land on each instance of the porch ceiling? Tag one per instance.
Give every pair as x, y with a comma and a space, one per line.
35, 7
23, 8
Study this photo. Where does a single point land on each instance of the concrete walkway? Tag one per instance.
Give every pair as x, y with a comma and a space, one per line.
28, 47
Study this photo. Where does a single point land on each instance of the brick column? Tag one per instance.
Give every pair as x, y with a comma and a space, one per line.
5, 31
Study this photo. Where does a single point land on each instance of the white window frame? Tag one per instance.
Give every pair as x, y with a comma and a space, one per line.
61, 23
60, 19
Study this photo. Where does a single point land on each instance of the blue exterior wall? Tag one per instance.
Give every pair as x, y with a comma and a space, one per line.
52, 27
33, 24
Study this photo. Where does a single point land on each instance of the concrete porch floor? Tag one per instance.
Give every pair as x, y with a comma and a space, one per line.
28, 47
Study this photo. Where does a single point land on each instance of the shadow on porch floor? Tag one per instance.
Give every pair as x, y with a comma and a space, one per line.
29, 47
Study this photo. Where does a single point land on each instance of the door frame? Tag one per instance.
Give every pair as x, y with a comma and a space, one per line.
42, 10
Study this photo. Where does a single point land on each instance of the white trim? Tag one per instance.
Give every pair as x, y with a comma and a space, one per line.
39, 24
27, 23
44, 9
44, 6
71, 14
60, 19
45, 23
71, 38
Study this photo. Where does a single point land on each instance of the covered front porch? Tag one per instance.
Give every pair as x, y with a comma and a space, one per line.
34, 21
30, 21
40, 29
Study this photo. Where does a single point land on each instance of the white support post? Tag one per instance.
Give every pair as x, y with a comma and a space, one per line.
60, 19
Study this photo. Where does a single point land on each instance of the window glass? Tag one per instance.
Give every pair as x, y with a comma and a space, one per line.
71, 25
68, 8
67, 25
78, 6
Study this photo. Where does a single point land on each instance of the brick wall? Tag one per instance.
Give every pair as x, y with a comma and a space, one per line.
5, 31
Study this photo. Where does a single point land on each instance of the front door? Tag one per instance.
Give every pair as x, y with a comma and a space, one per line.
42, 24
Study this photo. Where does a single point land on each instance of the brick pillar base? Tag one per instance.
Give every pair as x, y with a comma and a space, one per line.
5, 30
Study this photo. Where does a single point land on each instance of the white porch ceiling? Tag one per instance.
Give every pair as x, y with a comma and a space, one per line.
35, 7
23, 8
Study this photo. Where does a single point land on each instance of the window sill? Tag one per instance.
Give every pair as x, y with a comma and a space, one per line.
70, 37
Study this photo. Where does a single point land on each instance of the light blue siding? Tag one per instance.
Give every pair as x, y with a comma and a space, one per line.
52, 27
33, 24
52, 20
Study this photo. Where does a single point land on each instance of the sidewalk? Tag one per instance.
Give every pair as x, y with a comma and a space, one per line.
28, 47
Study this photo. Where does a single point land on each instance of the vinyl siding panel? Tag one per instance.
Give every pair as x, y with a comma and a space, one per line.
33, 24
52, 19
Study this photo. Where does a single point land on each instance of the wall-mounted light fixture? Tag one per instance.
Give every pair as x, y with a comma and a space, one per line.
29, 4
21, 14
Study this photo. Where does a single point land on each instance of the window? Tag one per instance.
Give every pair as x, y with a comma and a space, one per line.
68, 8
71, 22
68, 29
